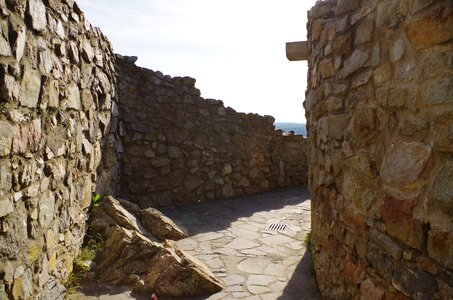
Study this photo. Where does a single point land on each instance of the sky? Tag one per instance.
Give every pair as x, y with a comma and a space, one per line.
234, 48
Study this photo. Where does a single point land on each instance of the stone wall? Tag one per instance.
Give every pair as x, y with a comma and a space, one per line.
181, 148
57, 140
380, 113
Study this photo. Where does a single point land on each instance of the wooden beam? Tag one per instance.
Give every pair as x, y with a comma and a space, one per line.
297, 51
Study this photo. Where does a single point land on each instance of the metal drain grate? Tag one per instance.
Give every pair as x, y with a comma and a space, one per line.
276, 227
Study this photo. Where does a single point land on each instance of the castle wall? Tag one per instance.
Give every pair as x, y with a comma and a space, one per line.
58, 140
181, 148
380, 112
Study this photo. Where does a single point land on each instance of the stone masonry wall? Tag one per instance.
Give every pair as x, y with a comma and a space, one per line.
58, 140
380, 119
181, 148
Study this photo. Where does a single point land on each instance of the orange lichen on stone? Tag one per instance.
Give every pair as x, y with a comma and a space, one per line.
431, 29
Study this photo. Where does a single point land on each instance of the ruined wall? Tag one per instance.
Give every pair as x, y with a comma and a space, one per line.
181, 148
380, 113
57, 140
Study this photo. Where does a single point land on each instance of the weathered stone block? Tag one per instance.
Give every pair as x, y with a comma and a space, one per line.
438, 91
27, 137
356, 61
321, 10
6, 137
431, 29
386, 243
354, 220
354, 272
344, 6
405, 69
22, 287
333, 126
6, 207
390, 13
334, 104
359, 183
45, 62
30, 88
361, 78
5, 176
400, 223
73, 52
342, 44
103, 82
414, 283
370, 291
433, 63
440, 247
87, 51
443, 188
443, 132
9, 88
380, 260
37, 12
364, 31
364, 124
73, 97
327, 68
402, 168
397, 49
412, 125
46, 209
397, 97
5, 48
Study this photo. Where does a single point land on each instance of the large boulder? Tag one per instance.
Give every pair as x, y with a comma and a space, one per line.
176, 273
133, 254
160, 225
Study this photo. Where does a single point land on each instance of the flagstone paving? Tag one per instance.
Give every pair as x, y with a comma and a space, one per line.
232, 238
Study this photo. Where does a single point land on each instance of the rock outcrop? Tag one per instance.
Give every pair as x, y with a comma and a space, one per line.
132, 255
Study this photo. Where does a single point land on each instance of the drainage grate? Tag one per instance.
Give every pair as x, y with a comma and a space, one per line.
276, 227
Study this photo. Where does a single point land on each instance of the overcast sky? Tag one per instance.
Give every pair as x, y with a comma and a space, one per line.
234, 48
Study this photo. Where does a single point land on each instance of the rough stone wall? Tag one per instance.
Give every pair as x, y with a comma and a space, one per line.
57, 140
380, 113
181, 148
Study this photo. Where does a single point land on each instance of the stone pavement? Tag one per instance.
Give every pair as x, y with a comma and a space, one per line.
254, 244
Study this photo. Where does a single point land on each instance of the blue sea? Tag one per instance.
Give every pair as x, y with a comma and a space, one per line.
299, 128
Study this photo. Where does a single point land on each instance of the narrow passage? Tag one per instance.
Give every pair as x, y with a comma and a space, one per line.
255, 244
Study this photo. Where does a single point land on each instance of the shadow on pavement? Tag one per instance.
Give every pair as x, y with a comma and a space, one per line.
302, 285
219, 214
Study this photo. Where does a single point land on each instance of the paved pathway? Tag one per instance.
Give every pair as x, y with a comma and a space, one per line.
255, 244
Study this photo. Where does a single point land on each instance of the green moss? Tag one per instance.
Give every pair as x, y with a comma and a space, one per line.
95, 200
72, 285
87, 254
52, 110
307, 241
93, 244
